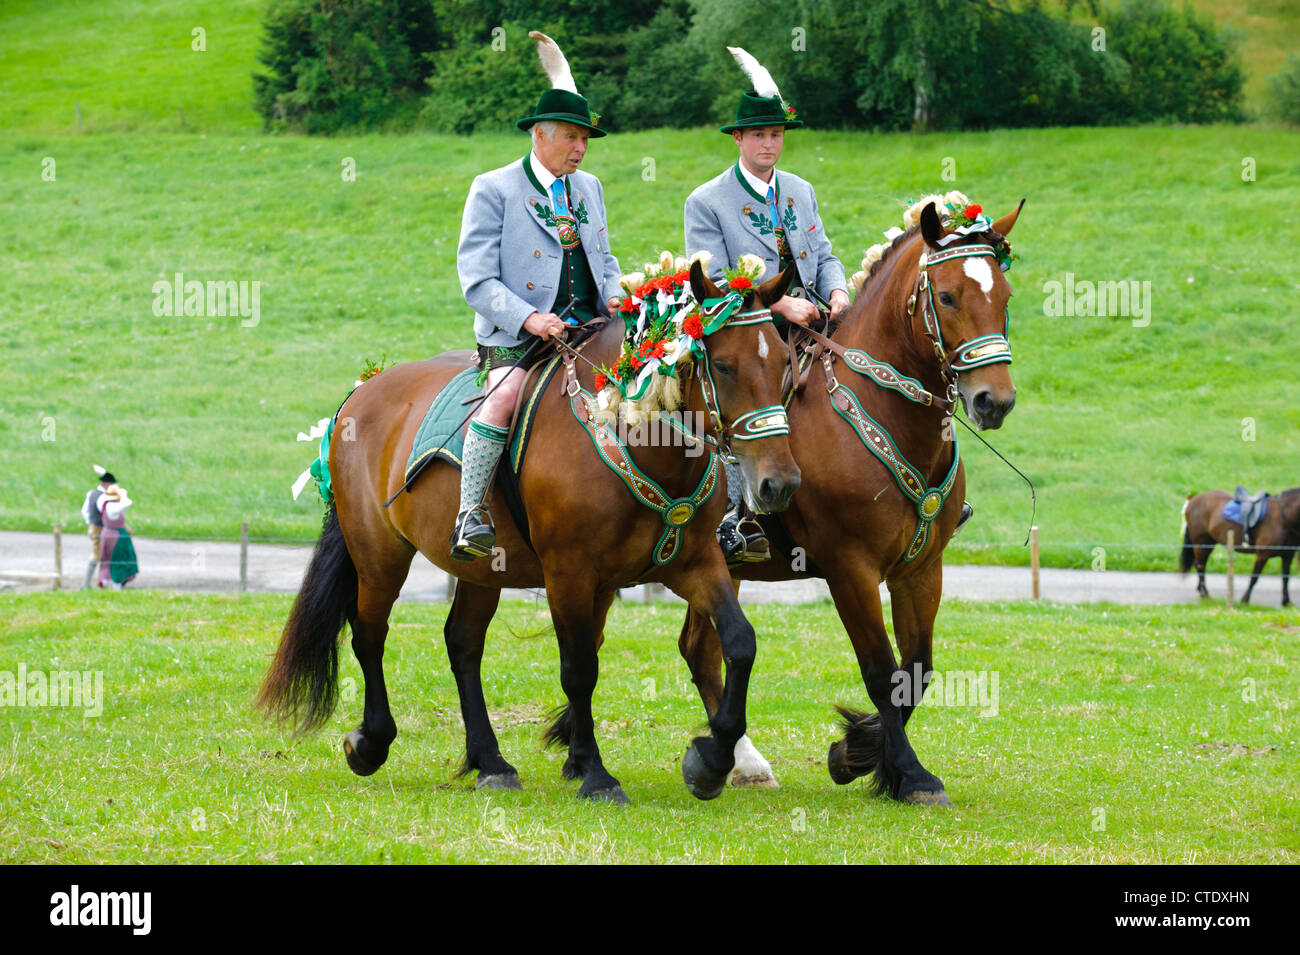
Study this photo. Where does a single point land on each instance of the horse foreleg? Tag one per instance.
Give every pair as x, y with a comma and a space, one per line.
579, 631
465, 632
878, 741
701, 647
1286, 577
1255, 571
709, 760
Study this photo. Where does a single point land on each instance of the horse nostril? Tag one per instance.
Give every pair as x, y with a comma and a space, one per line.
767, 490
983, 403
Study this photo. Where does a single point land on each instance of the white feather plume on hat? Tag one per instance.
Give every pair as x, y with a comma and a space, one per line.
764, 85
553, 62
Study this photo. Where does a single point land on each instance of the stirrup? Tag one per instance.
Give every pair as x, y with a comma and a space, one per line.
473, 535
742, 540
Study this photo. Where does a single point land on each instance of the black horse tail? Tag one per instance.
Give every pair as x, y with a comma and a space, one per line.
1188, 555
302, 685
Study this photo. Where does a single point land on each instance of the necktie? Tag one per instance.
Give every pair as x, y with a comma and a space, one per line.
771, 208
559, 198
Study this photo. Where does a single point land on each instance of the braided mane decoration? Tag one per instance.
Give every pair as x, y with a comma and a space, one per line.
955, 211
664, 334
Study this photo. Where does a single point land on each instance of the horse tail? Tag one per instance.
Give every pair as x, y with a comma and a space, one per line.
1188, 555
559, 727
302, 683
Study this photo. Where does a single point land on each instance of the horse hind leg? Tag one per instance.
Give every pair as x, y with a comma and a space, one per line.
366, 747
465, 632
701, 648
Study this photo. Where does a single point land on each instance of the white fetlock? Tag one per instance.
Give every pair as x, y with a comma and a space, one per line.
751, 770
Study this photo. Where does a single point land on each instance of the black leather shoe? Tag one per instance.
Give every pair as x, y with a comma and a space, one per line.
966, 512
742, 541
473, 535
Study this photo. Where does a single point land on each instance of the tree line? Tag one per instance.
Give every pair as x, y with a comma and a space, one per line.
463, 66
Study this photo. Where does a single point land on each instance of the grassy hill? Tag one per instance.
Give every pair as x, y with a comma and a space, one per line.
197, 416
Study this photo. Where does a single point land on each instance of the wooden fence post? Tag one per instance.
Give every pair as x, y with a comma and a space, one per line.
243, 557
1033, 558
1232, 553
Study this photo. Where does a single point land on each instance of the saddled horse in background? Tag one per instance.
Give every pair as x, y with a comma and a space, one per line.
919, 335
590, 537
1277, 535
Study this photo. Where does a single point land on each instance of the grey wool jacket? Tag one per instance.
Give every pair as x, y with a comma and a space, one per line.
509, 260
728, 219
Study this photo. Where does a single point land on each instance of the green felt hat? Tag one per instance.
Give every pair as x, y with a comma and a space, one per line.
565, 107
755, 110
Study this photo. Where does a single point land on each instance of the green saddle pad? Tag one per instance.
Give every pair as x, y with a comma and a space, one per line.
438, 435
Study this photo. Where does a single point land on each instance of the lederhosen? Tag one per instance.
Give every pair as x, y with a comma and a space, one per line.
576, 281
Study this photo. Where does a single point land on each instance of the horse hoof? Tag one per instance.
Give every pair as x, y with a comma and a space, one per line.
939, 798
837, 765
754, 780
352, 744
614, 795
702, 781
499, 781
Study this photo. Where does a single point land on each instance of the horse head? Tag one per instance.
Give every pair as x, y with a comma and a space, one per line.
740, 385
959, 312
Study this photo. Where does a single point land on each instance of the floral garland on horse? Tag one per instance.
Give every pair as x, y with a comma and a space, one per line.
664, 334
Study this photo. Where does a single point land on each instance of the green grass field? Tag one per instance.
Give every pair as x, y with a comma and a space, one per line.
1121, 735
1115, 422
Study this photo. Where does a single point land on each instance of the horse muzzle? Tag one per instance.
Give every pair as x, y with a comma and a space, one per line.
988, 408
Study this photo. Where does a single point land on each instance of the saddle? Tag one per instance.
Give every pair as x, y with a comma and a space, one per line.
1247, 510
439, 438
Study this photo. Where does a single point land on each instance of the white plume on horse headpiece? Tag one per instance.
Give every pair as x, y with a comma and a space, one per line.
764, 85
553, 62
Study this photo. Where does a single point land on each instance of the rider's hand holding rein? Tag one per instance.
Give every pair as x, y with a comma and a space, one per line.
797, 310
544, 325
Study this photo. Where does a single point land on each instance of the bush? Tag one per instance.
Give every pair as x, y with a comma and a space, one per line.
1181, 67
482, 86
1284, 93
343, 63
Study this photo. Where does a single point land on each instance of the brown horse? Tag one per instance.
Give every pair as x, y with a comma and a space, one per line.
1277, 535
589, 535
851, 523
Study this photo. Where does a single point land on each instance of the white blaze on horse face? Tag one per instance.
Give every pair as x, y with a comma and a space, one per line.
978, 269
762, 345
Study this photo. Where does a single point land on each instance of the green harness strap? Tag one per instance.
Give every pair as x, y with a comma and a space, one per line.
929, 501
676, 513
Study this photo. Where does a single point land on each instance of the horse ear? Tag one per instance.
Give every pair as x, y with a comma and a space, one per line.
1003, 225
701, 286
775, 288
931, 230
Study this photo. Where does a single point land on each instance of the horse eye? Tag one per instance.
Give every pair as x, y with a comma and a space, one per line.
946, 298
725, 368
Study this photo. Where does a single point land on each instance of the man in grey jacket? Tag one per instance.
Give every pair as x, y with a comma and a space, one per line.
751, 208
533, 241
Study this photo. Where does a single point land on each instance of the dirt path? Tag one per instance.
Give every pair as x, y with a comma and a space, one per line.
27, 563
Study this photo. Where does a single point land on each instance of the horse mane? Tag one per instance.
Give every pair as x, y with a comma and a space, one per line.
899, 240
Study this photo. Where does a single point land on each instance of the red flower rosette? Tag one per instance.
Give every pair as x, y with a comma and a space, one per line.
601, 381
629, 306
972, 211
740, 283
693, 327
